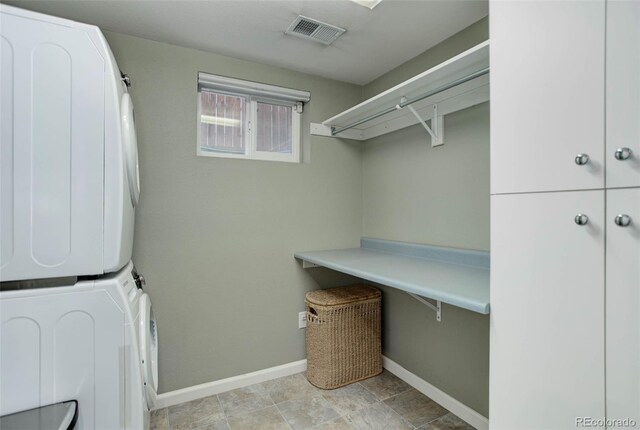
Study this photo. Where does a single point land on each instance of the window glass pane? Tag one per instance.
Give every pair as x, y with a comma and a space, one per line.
222, 122
274, 128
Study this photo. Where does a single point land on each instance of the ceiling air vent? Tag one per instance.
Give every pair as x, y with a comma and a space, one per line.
315, 30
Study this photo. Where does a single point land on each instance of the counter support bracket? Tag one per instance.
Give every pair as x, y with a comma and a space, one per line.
437, 123
437, 308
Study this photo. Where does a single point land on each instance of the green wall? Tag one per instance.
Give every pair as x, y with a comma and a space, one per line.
415, 193
459, 42
215, 237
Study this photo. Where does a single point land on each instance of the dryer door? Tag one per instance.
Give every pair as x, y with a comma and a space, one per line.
130, 146
148, 350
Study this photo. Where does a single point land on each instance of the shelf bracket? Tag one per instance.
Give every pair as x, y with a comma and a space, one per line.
437, 308
308, 265
436, 131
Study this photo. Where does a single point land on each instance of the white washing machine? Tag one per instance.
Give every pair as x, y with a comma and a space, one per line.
68, 152
94, 342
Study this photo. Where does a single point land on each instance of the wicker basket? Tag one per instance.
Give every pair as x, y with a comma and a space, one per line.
343, 335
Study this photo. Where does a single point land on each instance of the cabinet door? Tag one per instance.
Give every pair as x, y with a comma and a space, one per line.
547, 310
623, 305
623, 94
547, 95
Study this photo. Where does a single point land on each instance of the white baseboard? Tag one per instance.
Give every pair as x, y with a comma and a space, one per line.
220, 386
463, 411
210, 388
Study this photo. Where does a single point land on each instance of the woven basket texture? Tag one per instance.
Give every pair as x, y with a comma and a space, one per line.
343, 335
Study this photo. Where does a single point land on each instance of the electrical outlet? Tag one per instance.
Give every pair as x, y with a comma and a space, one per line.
302, 319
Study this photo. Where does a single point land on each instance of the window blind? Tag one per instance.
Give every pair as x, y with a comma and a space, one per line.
222, 83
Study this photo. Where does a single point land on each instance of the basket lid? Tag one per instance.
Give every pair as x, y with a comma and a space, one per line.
343, 295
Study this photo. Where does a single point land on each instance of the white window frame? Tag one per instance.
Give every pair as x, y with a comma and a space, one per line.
247, 126
254, 93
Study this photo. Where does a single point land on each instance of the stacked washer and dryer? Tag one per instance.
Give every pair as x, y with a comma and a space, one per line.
75, 322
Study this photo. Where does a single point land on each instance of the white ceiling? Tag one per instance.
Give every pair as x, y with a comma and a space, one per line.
376, 40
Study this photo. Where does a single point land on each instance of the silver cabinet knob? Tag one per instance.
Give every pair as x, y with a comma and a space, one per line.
581, 219
623, 153
582, 159
622, 220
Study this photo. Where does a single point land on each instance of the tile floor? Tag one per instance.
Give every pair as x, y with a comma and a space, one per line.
292, 403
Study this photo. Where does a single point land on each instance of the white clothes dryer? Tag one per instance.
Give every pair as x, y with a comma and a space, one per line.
94, 342
69, 162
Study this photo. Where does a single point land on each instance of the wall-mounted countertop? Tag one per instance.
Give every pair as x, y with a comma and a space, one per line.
454, 276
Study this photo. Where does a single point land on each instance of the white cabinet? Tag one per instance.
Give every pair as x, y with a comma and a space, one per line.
565, 341
623, 94
623, 305
547, 95
547, 310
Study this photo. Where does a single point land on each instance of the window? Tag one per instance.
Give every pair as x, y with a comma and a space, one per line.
242, 119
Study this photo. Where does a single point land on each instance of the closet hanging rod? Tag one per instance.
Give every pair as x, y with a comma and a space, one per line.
438, 90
